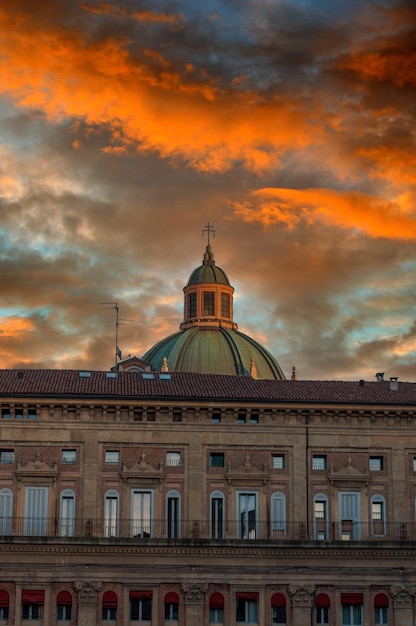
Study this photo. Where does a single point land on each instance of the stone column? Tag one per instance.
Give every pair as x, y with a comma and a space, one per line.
403, 605
302, 600
87, 594
194, 596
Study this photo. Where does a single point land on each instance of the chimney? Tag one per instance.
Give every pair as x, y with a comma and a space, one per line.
394, 384
380, 377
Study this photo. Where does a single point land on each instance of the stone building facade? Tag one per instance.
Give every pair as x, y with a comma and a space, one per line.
187, 499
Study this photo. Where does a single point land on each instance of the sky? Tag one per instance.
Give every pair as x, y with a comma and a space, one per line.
127, 126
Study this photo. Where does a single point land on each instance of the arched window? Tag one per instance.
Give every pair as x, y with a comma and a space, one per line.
216, 608
6, 510
320, 514
109, 609
217, 512
278, 603
171, 607
378, 515
278, 513
173, 513
381, 609
4, 604
111, 508
67, 508
322, 604
64, 606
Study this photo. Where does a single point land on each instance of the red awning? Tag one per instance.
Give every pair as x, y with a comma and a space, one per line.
352, 598
4, 598
322, 601
247, 595
109, 600
140, 595
171, 598
64, 597
33, 596
216, 601
278, 599
381, 601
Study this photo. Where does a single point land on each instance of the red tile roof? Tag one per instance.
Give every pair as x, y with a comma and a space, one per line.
191, 386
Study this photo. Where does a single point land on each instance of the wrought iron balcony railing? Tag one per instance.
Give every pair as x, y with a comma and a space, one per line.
137, 530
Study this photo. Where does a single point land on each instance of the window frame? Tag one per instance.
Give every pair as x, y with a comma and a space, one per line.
217, 515
67, 522
320, 522
108, 460
111, 513
217, 456
173, 458
319, 462
376, 463
144, 522
278, 461
69, 456
173, 514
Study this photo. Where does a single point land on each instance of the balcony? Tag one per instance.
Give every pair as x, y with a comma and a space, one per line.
194, 530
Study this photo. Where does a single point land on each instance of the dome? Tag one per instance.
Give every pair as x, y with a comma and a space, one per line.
208, 272
213, 351
209, 341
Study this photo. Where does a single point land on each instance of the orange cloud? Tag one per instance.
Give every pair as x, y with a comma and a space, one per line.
396, 65
158, 106
372, 215
15, 326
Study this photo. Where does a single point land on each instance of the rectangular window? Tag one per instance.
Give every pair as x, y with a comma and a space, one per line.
216, 459
32, 414
7, 456
173, 459
247, 609
352, 615
254, 418
112, 457
141, 610
414, 464
5, 413
36, 511
241, 417
319, 462
350, 515
69, 456
278, 461
376, 463
209, 303
142, 515
31, 611
247, 507
216, 417
18, 413
225, 305
192, 305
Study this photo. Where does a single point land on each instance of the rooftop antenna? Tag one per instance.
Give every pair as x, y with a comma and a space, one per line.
208, 229
114, 305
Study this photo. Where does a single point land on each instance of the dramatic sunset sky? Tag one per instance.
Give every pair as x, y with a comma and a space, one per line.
289, 125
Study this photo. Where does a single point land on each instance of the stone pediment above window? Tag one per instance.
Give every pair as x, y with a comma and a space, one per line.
142, 469
37, 468
247, 472
349, 474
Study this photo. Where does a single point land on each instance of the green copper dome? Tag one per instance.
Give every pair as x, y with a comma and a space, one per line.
213, 351
208, 272
209, 341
